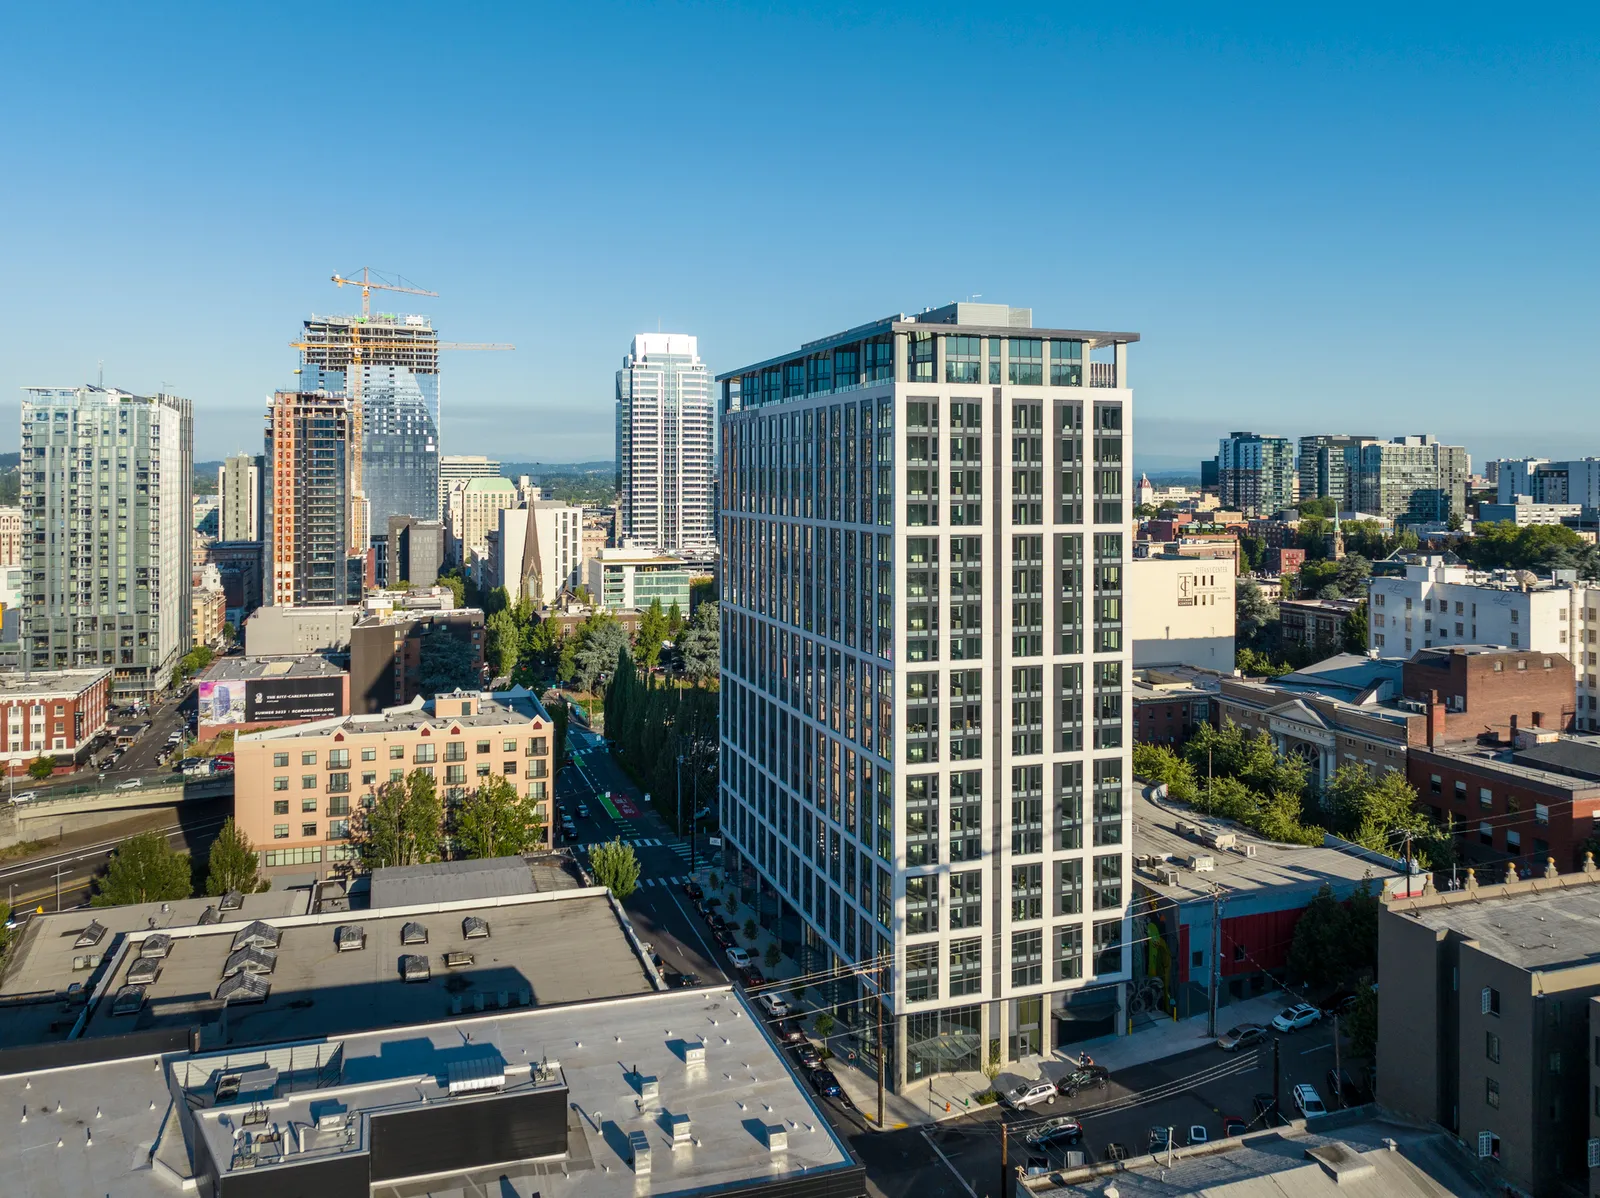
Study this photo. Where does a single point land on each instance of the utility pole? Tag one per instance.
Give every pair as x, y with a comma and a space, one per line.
694, 806
1005, 1169
1338, 1076
1216, 947
59, 868
880, 1065
1276, 1105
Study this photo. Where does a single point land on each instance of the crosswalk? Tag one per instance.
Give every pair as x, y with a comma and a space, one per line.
670, 883
640, 844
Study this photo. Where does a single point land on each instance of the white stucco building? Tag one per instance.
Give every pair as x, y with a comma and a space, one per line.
1181, 612
666, 429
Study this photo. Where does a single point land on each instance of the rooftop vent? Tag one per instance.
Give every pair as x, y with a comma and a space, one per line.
1219, 839
1167, 876
331, 1117
256, 934
1201, 863
639, 1152
144, 971
477, 1073
128, 1000
250, 960
232, 901
87, 961
474, 928
243, 988
456, 959
91, 935
777, 1138
349, 938
414, 968
694, 1054
649, 1088
681, 1128
157, 946
413, 933
209, 916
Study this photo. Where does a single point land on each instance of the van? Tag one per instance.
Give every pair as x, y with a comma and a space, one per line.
1308, 1102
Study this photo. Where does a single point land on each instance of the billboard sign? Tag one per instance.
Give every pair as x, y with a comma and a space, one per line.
268, 699
221, 702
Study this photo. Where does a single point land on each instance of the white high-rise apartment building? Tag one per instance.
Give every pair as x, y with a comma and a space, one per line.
926, 735
455, 469
106, 496
1437, 604
239, 497
665, 442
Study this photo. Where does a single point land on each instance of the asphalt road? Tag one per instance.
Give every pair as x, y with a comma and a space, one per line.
32, 881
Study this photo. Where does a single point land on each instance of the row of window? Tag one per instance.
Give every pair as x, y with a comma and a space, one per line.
963, 960
454, 750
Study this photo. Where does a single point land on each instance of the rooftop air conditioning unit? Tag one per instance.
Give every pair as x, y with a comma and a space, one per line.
1167, 876
1201, 863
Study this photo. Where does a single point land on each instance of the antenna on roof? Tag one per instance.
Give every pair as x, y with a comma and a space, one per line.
102, 374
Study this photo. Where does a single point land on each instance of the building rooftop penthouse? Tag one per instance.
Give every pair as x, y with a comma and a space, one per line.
945, 346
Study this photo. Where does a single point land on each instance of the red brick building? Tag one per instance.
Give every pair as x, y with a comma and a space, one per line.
1168, 708
1281, 561
1482, 691
51, 713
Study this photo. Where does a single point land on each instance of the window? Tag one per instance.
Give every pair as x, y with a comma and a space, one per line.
424, 753
509, 746
397, 752
966, 900
922, 972
966, 967
922, 905
280, 807
308, 806
456, 750
1108, 882
1027, 957
338, 759
1027, 892
481, 747
280, 784
370, 753
1068, 953
1491, 1046
1435, 784
1025, 362
1541, 813
280, 760
1555, 1062
1491, 1092
1107, 946
308, 758
1490, 1001
280, 831
308, 782
1486, 835
1488, 1146
309, 831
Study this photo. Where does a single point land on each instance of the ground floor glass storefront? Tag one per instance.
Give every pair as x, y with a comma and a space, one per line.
949, 1041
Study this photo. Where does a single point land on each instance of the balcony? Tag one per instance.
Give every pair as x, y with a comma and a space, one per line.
1102, 374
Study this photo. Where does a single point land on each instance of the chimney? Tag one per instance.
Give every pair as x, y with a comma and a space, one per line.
1436, 716
1513, 730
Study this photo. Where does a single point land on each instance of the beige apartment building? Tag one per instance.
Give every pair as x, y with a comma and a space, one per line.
299, 790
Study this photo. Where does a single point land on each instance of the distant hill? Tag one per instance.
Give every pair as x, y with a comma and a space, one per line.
538, 470
10, 461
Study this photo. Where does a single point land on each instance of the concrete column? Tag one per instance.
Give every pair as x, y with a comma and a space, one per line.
1122, 368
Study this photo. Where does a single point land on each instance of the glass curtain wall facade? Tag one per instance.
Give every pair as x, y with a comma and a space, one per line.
925, 751
106, 486
1256, 474
665, 443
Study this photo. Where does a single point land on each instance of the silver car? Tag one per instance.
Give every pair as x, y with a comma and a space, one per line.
1030, 1094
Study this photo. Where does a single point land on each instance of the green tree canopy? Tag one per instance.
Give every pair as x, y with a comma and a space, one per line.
652, 632
1254, 615
496, 821
232, 863
600, 639
1321, 948
41, 768
615, 866
402, 827
446, 662
675, 621
701, 643
144, 869
502, 643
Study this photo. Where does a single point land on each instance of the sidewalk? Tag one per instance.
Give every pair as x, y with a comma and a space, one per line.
1154, 1042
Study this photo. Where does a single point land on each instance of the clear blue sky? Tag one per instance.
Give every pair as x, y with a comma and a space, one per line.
1373, 219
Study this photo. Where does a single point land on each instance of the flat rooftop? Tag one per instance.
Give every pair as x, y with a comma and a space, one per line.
1541, 924
1347, 1156
593, 1059
497, 710
239, 669
527, 958
1517, 763
1272, 866
46, 960
1157, 682
48, 682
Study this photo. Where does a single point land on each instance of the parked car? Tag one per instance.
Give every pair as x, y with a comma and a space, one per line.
788, 1031
1028, 1094
692, 889
1342, 1088
1340, 1004
680, 981
1084, 1077
750, 976
739, 957
1232, 1126
1160, 1139
825, 1084
1266, 1109
773, 1004
1198, 1135
1308, 1102
723, 937
1243, 1036
1292, 1019
131, 784
1064, 1132
583, 810
808, 1056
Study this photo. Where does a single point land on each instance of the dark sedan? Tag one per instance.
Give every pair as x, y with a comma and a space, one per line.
825, 1084
808, 1056
723, 937
788, 1031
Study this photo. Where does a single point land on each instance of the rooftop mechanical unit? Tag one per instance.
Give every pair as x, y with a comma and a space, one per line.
414, 968
349, 938
128, 1000
256, 934
413, 933
144, 971
157, 945
474, 928
91, 935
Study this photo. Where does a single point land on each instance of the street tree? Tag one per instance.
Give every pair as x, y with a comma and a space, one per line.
700, 643
144, 869
1361, 1024
675, 621
615, 866
41, 768
652, 632
445, 663
232, 863
602, 638
1320, 952
402, 827
503, 642
495, 821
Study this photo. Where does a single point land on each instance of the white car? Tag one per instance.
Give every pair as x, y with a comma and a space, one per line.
774, 1005
26, 796
131, 784
1308, 1102
740, 958
1030, 1094
1292, 1019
